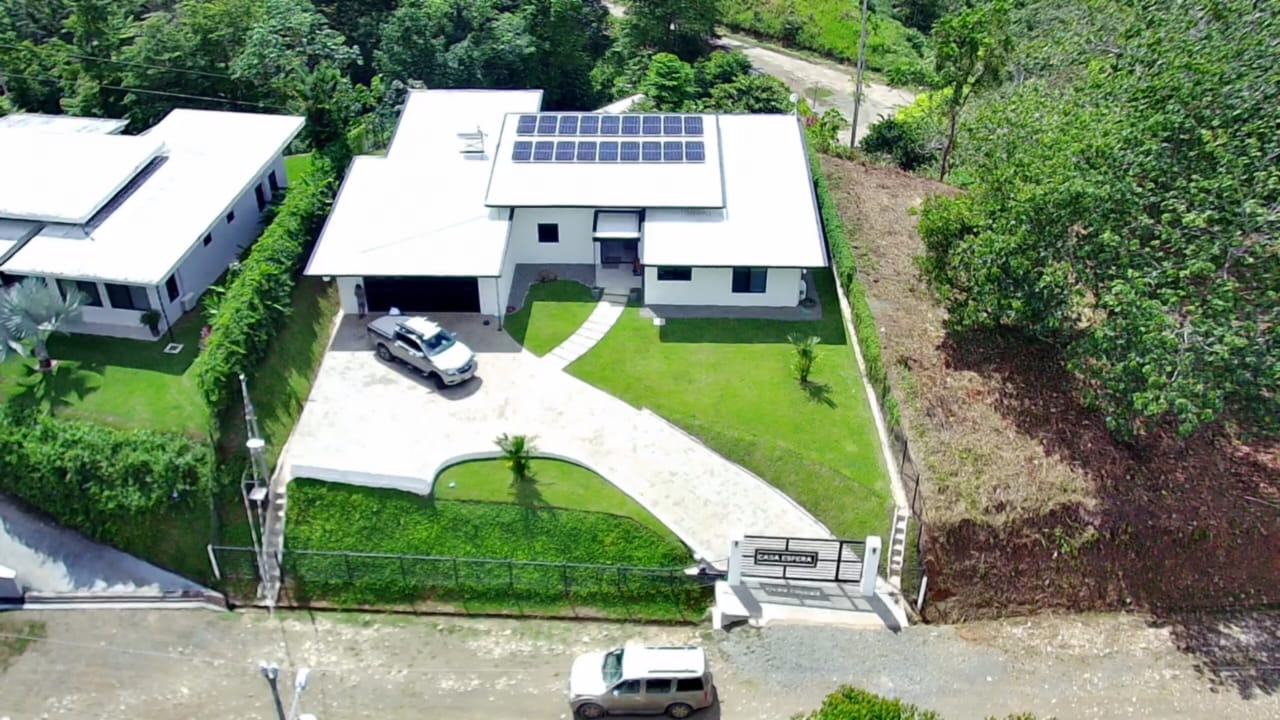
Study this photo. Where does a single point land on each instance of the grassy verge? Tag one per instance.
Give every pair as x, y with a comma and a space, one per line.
29, 631
828, 27
552, 312
484, 517
295, 166
729, 382
117, 382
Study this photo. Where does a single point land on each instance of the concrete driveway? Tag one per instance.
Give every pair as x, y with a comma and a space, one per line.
370, 423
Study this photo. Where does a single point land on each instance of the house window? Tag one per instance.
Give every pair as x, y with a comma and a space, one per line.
208, 239
231, 217
171, 287
548, 233
749, 280
273, 182
260, 196
127, 297
88, 291
682, 274
7, 279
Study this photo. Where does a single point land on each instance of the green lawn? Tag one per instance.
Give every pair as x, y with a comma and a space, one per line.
568, 515
551, 313
729, 382
296, 165
122, 383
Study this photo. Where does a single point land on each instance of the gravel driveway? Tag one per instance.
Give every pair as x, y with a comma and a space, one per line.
158, 665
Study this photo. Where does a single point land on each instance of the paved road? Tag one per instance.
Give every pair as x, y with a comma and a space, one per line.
181, 664
369, 422
53, 559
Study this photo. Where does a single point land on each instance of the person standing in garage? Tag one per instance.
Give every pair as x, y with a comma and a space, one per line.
361, 307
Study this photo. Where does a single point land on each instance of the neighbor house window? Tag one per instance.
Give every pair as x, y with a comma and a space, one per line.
88, 291
231, 217
749, 280
171, 287
260, 196
127, 297
548, 233
208, 239
683, 274
273, 182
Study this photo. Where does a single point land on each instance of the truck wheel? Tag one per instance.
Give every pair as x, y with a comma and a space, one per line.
590, 710
383, 353
679, 710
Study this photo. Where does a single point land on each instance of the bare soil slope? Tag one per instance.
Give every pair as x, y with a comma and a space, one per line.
1030, 502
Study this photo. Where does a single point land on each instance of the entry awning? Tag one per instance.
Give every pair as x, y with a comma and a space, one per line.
617, 225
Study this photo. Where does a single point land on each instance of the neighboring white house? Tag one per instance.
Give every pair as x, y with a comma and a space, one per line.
135, 222
694, 209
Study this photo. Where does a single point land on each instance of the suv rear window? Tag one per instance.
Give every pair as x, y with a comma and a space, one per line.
689, 684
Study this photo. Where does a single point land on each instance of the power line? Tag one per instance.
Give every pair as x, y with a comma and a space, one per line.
165, 93
131, 63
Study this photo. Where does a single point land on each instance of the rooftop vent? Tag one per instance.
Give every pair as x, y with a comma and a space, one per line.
472, 142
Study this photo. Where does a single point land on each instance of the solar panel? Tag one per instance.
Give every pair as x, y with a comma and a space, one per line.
630, 124
564, 151
695, 150
568, 124
522, 151
609, 151
629, 151
652, 124
527, 124
586, 150
692, 125
651, 151
543, 150
673, 151
547, 124
609, 124
589, 125
672, 125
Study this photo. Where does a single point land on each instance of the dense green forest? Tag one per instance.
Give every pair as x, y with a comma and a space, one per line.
1122, 162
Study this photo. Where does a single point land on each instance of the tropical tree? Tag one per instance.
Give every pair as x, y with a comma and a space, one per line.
971, 47
806, 349
517, 455
750, 94
682, 27
33, 310
669, 83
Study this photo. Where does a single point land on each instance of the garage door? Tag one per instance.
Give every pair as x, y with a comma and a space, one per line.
423, 294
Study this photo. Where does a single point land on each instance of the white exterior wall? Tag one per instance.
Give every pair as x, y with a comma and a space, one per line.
347, 293
575, 244
714, 286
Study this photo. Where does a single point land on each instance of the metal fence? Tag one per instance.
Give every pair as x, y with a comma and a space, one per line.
421, 582
914, 574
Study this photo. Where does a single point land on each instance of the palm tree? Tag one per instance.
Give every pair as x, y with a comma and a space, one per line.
33, 310
806, 355
517, 455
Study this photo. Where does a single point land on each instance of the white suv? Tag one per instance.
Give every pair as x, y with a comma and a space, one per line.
641, 680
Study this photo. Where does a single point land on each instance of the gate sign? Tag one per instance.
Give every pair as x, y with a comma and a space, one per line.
784, 558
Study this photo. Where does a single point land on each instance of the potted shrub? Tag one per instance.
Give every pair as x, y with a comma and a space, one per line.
151, 318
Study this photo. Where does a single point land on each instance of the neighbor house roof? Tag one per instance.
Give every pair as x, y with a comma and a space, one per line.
770, 216
63, 123
644, 181
421, 210
209, 160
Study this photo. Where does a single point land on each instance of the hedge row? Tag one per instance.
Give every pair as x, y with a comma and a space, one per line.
94, 478
257, 295
864, 324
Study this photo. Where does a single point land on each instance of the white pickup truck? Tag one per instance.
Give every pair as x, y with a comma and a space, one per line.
424, 346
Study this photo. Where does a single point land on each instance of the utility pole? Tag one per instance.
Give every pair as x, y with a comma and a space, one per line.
857, 93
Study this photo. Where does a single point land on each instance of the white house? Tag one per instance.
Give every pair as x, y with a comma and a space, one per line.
693, 209
135, 222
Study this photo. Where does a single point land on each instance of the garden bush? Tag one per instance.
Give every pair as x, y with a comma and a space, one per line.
97, 479
851, 703
257, 295
904, 142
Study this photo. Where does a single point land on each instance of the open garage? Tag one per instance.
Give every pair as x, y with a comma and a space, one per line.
422, 294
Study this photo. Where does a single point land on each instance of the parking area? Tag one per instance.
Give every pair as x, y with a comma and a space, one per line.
371, 423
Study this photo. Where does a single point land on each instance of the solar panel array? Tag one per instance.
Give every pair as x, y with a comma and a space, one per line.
674, 147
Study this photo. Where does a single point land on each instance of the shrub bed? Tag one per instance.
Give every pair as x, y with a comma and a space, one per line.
257, 296
96, 479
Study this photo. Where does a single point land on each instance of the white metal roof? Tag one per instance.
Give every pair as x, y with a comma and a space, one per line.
67, 177
63, 123
606, 184
770, 218
639, 661
421, 210
212, 159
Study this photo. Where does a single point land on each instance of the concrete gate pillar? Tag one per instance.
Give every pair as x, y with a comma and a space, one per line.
870, 565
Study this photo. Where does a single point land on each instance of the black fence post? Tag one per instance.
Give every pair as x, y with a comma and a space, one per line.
457, 579
511, 577
346, 560
564, 575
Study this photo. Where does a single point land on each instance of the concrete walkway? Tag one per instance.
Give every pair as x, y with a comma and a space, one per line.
607, 312
370, 423
51, 559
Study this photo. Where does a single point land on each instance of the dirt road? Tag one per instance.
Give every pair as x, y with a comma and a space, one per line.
174, 664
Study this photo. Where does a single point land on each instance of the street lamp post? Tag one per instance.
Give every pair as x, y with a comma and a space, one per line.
857, 93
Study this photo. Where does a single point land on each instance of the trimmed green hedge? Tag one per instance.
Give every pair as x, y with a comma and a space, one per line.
96, 479
257, 297
864, 324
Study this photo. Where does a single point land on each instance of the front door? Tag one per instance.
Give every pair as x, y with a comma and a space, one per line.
615, 253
